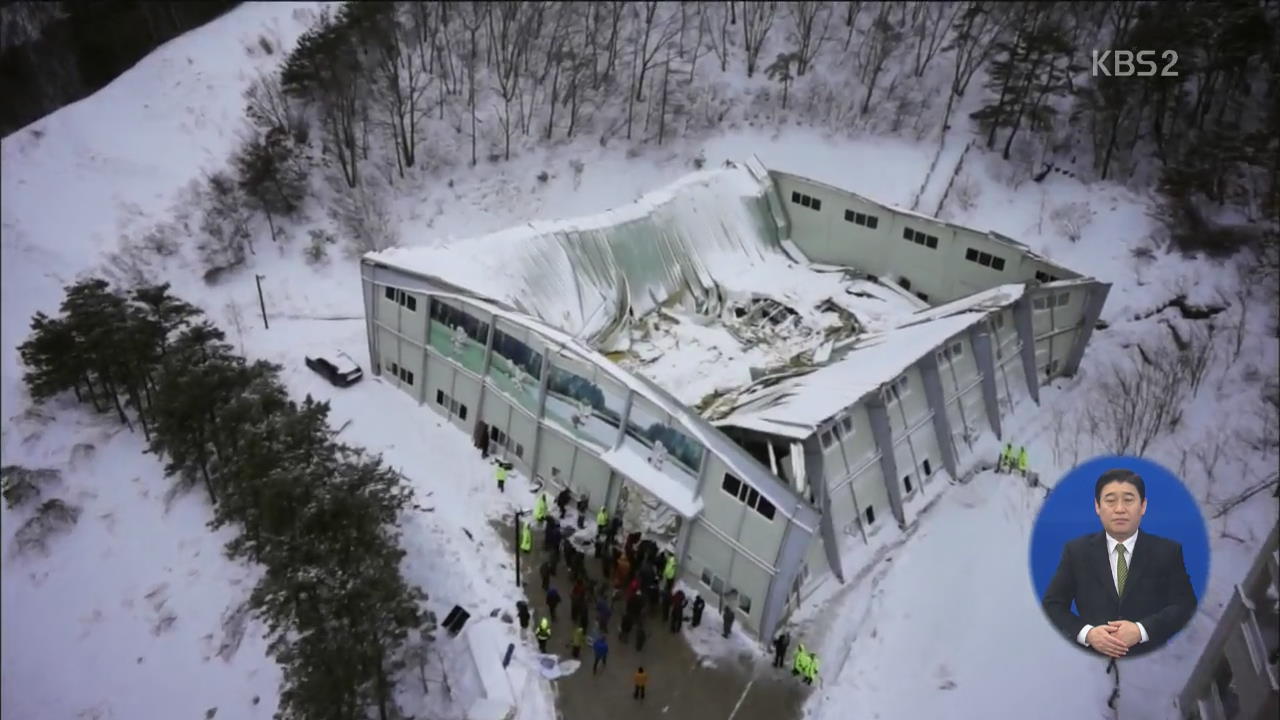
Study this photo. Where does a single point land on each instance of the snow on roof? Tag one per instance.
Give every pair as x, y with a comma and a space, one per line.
795, 407
665, 488
992, 299
589, 275
343, 362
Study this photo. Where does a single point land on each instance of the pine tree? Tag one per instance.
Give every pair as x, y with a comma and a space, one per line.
270, 175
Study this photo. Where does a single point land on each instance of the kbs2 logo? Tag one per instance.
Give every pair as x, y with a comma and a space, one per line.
1123, 63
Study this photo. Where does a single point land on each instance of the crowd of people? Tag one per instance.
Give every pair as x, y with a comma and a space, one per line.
634, 580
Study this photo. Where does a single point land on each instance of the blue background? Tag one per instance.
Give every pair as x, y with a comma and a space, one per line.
1068, 513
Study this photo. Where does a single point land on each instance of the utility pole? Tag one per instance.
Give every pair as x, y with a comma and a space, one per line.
518, 550
261, 303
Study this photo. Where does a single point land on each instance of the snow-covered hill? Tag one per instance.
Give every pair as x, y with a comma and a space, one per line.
126, 615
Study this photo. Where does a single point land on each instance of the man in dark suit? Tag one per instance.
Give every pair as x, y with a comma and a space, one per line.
1131, 591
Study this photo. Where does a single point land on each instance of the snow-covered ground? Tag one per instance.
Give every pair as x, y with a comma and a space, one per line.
944, 626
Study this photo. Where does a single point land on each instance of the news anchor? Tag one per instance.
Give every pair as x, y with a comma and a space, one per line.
1131, 589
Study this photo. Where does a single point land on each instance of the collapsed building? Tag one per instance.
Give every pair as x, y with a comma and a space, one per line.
759, 371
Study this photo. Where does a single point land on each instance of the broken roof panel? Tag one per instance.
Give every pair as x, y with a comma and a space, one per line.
797, 406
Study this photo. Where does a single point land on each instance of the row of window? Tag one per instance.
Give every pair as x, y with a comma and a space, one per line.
1045, 277
984, 259
857, 218
498, 437
951, 353
1044, 302
452, 317
748, 495
719, 585
838, 430
409, 302
451, 404
403, 373
808, 201
919, 238
907, 484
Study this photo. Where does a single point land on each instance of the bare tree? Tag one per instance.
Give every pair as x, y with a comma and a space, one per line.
720, 47
649, 51
509, 26
402, 84
976, 30
930, 23
882, 39
806, 18
757, 19
472, 20
1071, 219
852, 8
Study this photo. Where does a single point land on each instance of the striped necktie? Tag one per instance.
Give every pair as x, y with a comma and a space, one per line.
1122, 569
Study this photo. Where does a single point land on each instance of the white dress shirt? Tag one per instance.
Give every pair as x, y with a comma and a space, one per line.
1113, 557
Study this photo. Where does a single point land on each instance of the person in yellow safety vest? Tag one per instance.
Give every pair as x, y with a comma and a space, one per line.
1006, 459
526, 539
543, 633
1022, 460
669, 572
501, 475
798, 663
540, 508
811, 669
602, 518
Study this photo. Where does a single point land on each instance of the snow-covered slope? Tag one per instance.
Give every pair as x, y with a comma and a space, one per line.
84, 633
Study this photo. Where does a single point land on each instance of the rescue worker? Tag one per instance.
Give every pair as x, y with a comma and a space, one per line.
602, 520
562, 500
583, 503
526, 539
799, 662
1022, 461
601, 649
1005, 464
579, 639
540, 508
603, 613
698, 605
501, 474
641, 679
669, 572
728, 620
780, 644
811, 669
543, 633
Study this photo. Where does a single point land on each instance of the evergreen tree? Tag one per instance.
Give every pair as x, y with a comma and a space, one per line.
270, 175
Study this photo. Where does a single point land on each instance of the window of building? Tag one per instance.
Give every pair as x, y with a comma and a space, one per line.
984, 259
920, 238
519, 448
744, 603
731, 484
706, 577
1045, 277
923, 296
836, 433
440, 397
1051, 369
452, 317
390, 293
748, 495
928, 471
1063, 299
857, 218
808, 201
406, 375
847, 422
997, 321
395, 369
462, 411
826, 439
951, 353
453, 406
410, 303
906, 483
871, 515
905, 283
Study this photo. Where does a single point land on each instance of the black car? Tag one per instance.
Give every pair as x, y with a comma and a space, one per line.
337, 367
